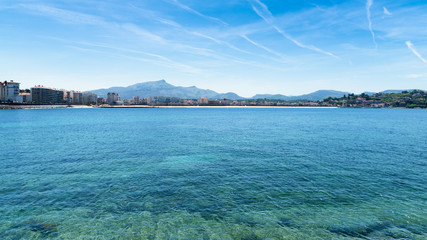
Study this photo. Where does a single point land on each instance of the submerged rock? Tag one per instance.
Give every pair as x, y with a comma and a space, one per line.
360, 231
36, 226
43, 228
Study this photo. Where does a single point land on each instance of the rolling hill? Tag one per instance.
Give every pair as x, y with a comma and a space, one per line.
315, 96
162, 88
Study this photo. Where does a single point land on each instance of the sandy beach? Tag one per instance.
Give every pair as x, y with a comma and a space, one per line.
240, 107
6, 106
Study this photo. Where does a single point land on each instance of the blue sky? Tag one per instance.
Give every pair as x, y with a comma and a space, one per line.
244, 46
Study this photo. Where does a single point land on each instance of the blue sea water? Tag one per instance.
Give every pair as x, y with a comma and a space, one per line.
273, 173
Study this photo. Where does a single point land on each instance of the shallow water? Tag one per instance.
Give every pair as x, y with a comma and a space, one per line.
213, 174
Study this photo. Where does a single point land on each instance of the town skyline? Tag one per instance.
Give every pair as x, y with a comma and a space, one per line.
12, 97
246, 47
111, 89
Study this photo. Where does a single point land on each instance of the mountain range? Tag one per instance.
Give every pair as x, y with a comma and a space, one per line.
162, 88
314, 96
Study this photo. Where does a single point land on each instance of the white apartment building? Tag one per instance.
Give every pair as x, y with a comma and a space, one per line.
9, 91
89, 98
76, 97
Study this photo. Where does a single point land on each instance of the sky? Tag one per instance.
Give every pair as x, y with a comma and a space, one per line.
248, 47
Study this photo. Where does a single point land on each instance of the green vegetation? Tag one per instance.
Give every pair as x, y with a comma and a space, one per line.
405, 99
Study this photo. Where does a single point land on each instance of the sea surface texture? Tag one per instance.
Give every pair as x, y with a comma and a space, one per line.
273, 173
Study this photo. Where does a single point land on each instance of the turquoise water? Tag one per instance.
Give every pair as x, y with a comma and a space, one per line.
213, 174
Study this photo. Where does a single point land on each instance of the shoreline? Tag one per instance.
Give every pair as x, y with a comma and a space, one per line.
23, 106
11, 107
242, 107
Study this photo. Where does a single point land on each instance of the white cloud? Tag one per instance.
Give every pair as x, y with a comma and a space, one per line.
299, 44
188, 9
264, 13
413, 76
262, 46
158, 59
369, 4
387, 12
176, 25
148, 14
143, 33
65, 15
220, 42
412, 48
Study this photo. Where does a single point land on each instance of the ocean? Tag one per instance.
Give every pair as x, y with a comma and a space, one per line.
213, 173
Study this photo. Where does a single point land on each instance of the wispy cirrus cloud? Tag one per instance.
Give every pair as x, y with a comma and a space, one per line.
143, 33
194, 50
152, 15
386, 11
299, 44
413, 76
176, 25
191, 10
64, 16
221, 42
412, 48
161, 60
225, 43
262, 10
262, 46
369, 4
71, 17
125, 52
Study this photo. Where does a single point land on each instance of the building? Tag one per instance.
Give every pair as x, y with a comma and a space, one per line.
89, 98
76, 97
214, 102
203, 101
9, 91
67, 97
112, 98
135, 100
1, 92
24, 97
101, 101
44, 95
125, 101
143, 101
163, 101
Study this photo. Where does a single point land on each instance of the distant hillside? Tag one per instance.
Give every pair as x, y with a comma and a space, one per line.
397, 91
315, 96
162, 88
404, 99
271, 96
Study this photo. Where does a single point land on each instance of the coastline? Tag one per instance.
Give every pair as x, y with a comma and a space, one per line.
23, 106
11, 107
241, 107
